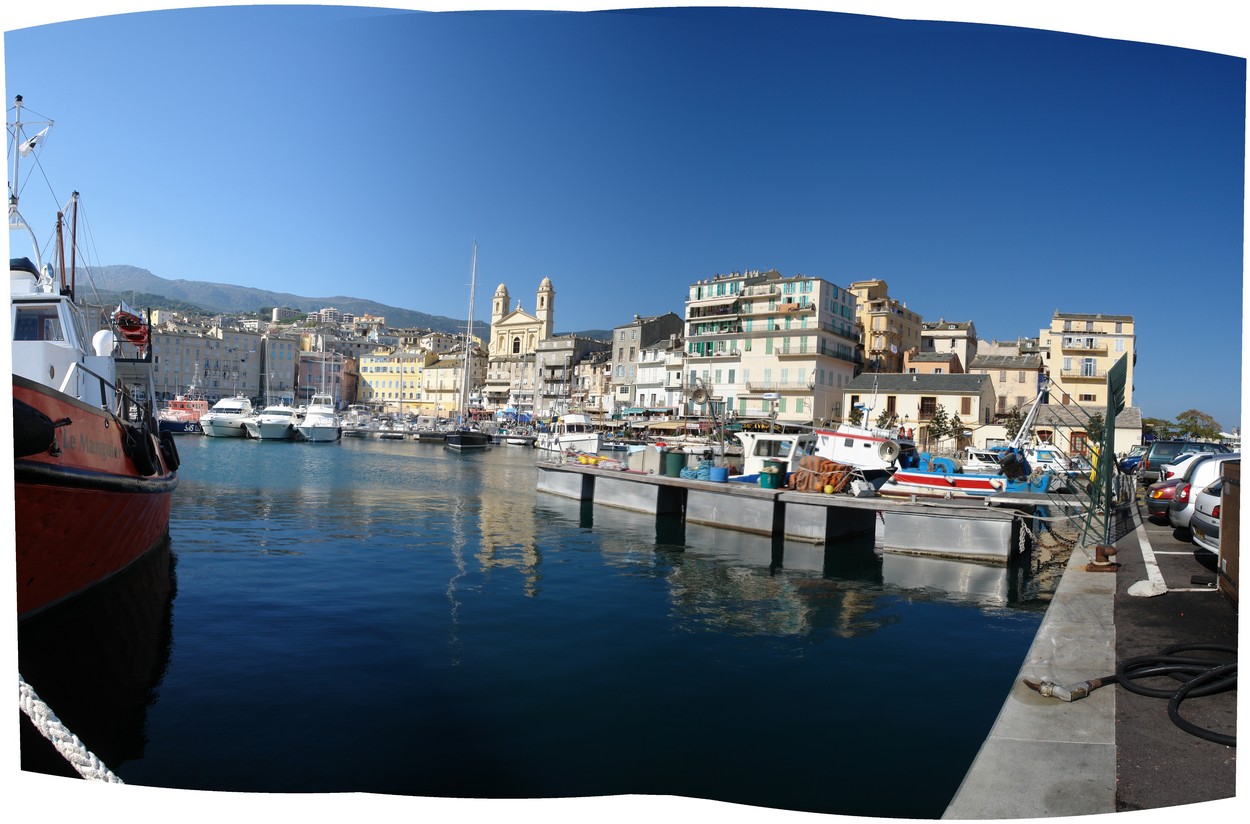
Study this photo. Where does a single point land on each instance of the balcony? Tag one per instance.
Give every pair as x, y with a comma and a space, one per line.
1083, 374
777, 386
1093, 346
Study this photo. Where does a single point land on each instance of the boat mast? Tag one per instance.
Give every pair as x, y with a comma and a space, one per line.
468, 337
21, 148
73, 246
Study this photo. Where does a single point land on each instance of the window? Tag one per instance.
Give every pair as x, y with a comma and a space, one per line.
965, 406
928, 406
1002, 404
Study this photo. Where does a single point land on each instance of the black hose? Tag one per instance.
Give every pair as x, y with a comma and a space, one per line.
1199, 677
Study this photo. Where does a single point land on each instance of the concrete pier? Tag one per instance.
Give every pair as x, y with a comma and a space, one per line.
979, 529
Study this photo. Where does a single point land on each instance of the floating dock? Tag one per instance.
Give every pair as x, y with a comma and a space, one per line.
981, 529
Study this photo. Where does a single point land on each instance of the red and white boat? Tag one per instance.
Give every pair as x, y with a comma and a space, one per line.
93, 479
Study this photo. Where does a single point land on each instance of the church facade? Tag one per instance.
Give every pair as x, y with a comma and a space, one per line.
511, 371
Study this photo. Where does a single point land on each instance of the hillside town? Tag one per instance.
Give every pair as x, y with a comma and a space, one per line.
761, 346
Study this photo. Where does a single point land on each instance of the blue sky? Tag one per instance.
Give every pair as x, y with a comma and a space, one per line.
986, 172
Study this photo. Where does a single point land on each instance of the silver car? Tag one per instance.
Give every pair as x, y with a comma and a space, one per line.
1204, 524
1200, 474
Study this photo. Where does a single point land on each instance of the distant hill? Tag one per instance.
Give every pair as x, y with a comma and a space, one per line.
214, 298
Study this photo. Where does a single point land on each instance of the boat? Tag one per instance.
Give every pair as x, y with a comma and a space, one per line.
181, 415
321, 423
93, 475
571, 433
780, 451
874, 450
931, 476
225, 419
275, 422
463, 438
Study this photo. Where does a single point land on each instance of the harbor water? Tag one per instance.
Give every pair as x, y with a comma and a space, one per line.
393, 617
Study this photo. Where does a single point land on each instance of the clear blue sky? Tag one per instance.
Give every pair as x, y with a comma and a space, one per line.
987, 173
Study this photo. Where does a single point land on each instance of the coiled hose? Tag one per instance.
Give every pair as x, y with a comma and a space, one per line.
1198, 677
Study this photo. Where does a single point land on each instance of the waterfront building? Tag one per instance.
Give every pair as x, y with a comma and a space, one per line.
559, 388
220, 362
659, 387
279, 354
910, 401
442, 378
1077, 350
321, 371
593, 384
761, 343
627, 341
392, 379
511, 372
887, 328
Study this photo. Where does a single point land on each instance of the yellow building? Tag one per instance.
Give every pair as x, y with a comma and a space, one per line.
391, 379
1077, 351
889, 328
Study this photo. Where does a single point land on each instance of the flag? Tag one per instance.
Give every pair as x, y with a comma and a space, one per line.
29, 146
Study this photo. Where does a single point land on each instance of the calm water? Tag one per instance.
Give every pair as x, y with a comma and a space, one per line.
392, 617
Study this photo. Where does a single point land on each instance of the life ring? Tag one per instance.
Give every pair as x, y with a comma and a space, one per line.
888, 451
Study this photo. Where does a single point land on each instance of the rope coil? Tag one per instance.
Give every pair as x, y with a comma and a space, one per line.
67, 744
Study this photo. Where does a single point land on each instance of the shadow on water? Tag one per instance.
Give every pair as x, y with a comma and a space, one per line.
97, 660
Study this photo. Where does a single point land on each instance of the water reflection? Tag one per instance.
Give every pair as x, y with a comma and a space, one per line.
97, 661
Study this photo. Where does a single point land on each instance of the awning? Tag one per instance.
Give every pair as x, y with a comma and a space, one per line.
707, 304
633, 410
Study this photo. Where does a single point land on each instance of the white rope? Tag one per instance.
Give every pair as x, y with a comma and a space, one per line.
66, 743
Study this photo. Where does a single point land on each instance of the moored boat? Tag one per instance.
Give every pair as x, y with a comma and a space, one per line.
464, 437
225, 419
275, 422
321, 423
181, 415
93, 477
571, 433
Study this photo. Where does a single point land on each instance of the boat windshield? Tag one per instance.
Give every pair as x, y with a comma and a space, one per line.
38, 322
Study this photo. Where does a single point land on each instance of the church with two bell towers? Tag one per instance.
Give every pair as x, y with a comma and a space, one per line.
511, 373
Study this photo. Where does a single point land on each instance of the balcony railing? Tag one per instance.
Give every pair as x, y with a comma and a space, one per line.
1083, 374
777, 386
1099, 347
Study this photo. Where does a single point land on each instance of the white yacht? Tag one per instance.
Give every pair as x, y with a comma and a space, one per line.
274, 423
225, 419
321, 423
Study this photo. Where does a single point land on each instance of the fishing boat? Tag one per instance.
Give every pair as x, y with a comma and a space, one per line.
571, 433
463, 438
941, 477
93, 476
874, 450
780, 451
225, 419
181, 415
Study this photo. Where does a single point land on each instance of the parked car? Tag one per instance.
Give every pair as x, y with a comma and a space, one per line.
1159, 497
1198, 476
1161, 452
1204, 525
1128, 464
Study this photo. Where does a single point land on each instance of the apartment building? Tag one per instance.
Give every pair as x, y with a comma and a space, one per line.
628, 340
321, 372
220, 363
560, 388
887, 328
1077, 350
946, 336
1016, 378
763, 343
391, 380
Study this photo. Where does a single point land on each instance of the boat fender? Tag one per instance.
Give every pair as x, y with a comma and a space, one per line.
33, 431
141, 448
169, 451
888, 451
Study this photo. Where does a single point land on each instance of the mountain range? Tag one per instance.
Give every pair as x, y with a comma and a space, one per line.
212, 298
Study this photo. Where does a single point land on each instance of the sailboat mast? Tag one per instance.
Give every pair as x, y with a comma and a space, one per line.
73, 246
468, 337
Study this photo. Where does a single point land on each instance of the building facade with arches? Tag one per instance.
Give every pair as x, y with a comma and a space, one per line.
511, 372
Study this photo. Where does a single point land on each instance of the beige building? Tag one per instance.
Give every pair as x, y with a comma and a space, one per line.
947, 336
391, 379
910, 401
932, 363
888, 327
511, 373
1016, 378
765, 343
1078, 349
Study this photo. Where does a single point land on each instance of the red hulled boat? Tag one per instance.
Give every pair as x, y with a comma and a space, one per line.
93, 478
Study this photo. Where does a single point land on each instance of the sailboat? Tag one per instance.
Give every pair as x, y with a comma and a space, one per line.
463, 438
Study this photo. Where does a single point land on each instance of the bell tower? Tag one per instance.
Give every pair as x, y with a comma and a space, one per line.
545, 308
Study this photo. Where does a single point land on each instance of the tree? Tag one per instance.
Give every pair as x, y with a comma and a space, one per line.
1194, 424
956, 428
1159, 428
1096, 428
1013, 422
885, 418
939, 425
856, 416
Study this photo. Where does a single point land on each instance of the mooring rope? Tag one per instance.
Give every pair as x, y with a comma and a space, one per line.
66, 743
